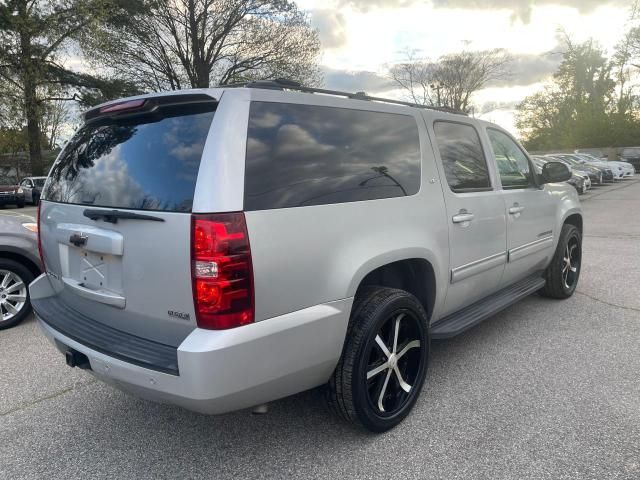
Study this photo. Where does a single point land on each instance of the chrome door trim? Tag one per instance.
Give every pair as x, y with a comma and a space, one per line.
477, 266
530, 248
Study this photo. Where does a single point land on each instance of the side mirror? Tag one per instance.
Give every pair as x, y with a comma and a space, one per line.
554, 172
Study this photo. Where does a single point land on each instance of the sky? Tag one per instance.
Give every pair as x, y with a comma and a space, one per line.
361, 39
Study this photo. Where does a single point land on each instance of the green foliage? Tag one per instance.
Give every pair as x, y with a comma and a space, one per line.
12, 141
589, 103
34, 36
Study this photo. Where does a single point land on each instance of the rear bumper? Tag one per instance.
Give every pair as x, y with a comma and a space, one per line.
226, 370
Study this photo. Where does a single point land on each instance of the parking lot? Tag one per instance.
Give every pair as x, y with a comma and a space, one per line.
546, 389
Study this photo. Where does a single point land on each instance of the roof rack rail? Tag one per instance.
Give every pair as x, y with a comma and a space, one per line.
286, 84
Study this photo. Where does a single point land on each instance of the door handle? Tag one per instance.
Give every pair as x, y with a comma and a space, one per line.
515, 209
463, 217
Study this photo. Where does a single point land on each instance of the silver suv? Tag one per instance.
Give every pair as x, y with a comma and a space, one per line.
222, 248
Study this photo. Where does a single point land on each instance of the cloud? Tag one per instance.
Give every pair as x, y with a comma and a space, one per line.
357, 81
522, 8
527, 69
489, 107
366, 5
331, 27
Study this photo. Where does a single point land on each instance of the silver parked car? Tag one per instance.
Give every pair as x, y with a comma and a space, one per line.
19, 265
222, 248
32, 187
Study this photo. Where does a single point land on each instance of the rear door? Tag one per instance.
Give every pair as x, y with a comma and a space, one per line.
475, 213
116, 215
529, 209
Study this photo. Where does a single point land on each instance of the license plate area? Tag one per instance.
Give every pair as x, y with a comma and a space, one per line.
95, 270
91, 259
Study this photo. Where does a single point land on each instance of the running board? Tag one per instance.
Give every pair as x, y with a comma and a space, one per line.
470, 316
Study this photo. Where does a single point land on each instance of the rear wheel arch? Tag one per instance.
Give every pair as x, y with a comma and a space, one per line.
416, 276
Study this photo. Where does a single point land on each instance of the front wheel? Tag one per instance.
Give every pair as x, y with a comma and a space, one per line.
563, 272
384, 361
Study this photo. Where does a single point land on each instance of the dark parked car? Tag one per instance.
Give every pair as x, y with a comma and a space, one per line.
595, 174
632, 155
579, 180
574, 161
19, 265
32, 187
10, 192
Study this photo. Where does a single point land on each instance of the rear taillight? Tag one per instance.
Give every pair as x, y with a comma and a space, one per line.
221, 270
44, 268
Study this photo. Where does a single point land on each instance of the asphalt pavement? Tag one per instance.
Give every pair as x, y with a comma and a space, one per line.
546, 389
27, 211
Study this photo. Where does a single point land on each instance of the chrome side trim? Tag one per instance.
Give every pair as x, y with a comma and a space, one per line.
477, 266
529, 248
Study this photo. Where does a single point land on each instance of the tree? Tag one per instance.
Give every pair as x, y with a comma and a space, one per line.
56, 113
462, 74
541, 119
589, 103
33, 35
416, 78
175, 44
453, 79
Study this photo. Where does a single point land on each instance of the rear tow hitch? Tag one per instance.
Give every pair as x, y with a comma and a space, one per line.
77, 359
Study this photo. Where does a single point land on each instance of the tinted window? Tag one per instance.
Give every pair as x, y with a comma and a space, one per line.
462, 157
144, 164
308, 155
39, 182
513, 164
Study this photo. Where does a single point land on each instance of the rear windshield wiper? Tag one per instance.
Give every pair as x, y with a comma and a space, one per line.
112, 216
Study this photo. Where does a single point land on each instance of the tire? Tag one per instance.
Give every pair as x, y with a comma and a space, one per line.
562, 279
356, 396
20, 204
36, 200
19, 271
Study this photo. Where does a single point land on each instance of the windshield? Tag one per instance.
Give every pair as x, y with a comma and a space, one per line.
144, 163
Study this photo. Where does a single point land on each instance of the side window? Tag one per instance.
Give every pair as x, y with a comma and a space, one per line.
299, 155
513, 165
462, 157
24, 183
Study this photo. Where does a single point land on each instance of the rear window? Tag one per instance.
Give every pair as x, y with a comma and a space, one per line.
299, 155
149, 162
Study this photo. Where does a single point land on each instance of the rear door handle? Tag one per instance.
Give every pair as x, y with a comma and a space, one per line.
463, 217
516, 209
